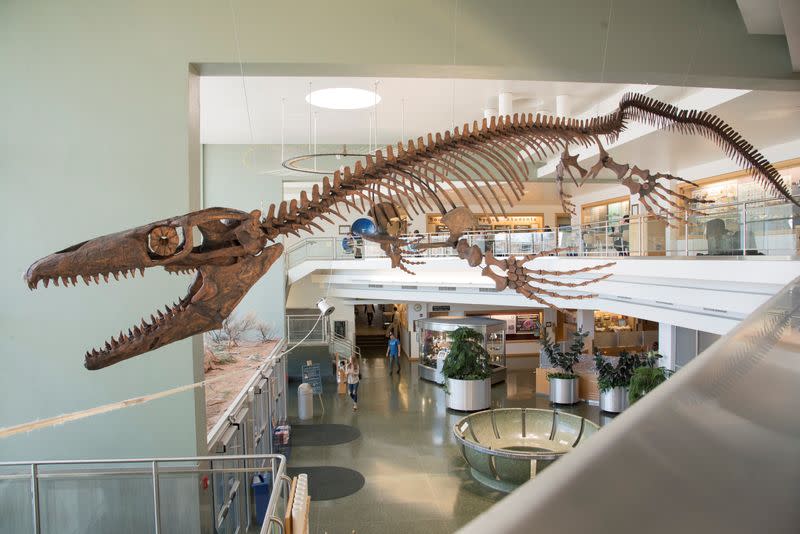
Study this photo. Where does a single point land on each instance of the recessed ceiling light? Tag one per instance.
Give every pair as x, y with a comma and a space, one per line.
342, 98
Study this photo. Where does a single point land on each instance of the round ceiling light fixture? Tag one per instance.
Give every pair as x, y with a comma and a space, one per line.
343, 98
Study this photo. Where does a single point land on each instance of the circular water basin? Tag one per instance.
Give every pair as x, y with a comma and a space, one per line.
506, 447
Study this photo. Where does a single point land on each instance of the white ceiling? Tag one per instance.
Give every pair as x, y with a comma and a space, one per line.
417, 106
414, 106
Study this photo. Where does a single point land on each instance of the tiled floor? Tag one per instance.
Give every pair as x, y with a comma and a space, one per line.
416, 480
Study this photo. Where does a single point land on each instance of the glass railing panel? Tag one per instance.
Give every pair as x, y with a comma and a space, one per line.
182, 496
297, 255
16, 505
96, 498
770, 229
319, 248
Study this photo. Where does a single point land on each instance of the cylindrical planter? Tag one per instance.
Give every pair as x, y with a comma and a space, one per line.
469, 395
614, 400
564, 390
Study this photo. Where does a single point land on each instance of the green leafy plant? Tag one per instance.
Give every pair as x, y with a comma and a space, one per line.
563, 360
610, 376
467, 359
645, 380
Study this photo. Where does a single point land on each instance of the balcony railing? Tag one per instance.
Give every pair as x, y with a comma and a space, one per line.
763, 227
191, 494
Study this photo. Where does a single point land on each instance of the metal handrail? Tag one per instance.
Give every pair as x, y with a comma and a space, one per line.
279, 474
537, 239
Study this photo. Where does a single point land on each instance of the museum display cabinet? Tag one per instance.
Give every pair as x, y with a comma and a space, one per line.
434, 344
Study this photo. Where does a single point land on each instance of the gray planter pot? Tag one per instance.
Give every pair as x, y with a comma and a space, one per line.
564, 390
469, 395
614, 400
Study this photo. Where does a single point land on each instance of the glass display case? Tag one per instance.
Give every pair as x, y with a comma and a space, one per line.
433, 335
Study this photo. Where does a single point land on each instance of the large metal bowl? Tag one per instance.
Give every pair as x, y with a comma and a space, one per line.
506, 447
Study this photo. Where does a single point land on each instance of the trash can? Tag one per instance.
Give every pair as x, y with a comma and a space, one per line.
261, 490
305, 401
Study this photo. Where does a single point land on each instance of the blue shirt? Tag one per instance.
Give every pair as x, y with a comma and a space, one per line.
394, 347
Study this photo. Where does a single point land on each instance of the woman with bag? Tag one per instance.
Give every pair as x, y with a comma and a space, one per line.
353, 376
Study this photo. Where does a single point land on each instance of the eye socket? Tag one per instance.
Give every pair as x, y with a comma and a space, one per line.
165, 240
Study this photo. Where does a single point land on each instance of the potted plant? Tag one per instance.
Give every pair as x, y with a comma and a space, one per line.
467, 372
613, 380
645, 379
563, 383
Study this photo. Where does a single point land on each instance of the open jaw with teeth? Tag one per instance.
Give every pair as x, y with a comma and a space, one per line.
225, 266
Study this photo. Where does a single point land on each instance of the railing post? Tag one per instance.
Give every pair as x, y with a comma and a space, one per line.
642, 218
37, 524
156, 499
744, 229
686, 232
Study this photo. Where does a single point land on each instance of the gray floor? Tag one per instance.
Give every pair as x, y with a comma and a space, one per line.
416, 480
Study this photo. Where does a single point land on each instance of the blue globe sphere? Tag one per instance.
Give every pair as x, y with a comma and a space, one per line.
363, 226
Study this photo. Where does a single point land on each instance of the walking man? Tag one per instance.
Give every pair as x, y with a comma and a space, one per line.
393, 353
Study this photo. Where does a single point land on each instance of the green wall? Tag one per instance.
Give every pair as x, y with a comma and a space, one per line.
96, 136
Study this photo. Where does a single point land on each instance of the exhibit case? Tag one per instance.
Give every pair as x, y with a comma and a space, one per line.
434, 344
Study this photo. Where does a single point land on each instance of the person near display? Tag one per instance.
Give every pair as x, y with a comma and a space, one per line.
621, 237
353, 371
370, 312
393, 353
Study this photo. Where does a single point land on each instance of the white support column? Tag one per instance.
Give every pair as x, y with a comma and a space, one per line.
562, 106
488, 113
667, 342
506, 104
413, 343
585, 322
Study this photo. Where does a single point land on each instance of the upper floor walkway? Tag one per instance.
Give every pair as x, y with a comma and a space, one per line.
735, 258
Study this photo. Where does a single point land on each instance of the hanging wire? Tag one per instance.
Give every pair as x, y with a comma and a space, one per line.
308, 110
241, 71
605, 46
283, 129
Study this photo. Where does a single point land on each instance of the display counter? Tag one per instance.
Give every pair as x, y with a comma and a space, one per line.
434, 344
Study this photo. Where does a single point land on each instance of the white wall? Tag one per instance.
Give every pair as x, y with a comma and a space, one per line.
231, 181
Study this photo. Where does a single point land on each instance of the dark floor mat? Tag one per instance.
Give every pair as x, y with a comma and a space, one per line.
324, 434
327, 482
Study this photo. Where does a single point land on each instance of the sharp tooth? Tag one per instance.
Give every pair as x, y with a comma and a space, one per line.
95, 352
65, 281
132, 272
105, 277
167, 309
88, 355
137, 331
114, 342
116, 275
55, 281
124, 273
153, 319
46, 282
96, 278
141, 271
160, 315
108, 346
74, 280
85, 279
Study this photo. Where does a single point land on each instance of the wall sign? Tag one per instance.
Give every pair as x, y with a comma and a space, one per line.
441, 308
